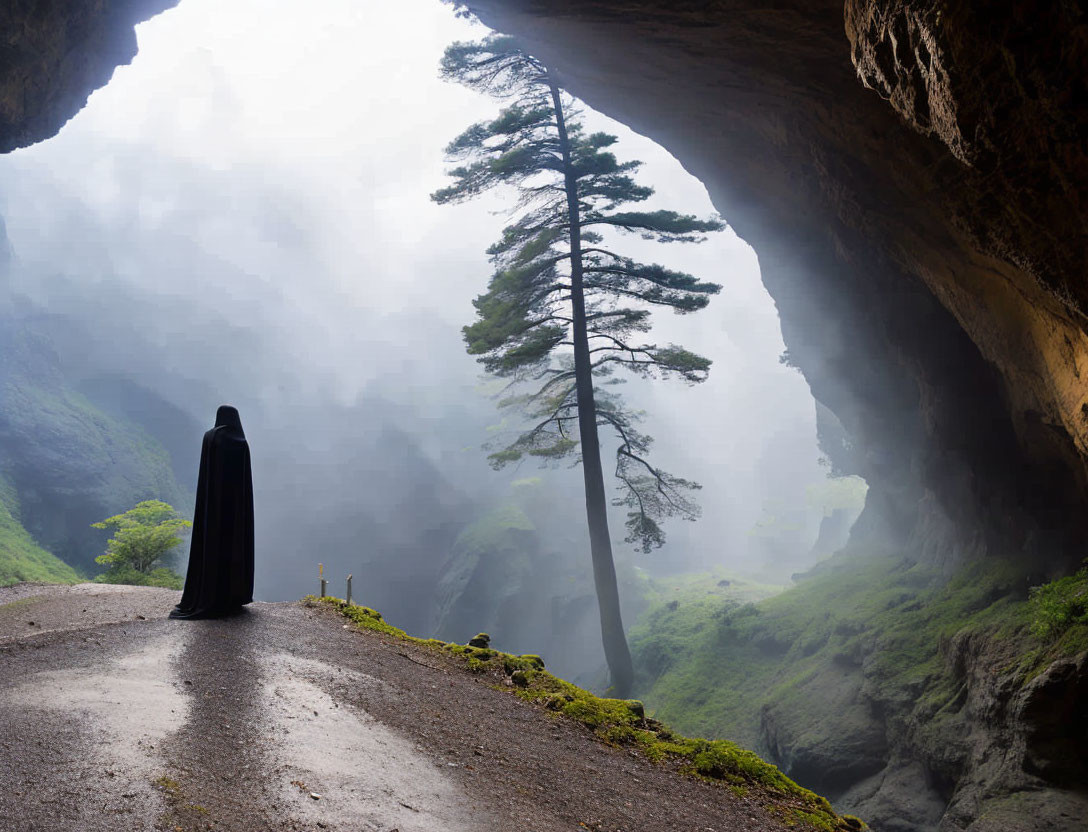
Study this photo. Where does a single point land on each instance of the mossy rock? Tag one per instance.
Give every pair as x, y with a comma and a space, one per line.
480, 640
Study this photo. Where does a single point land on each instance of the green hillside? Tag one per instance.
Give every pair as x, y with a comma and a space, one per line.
864, 654
21, 559
69, 460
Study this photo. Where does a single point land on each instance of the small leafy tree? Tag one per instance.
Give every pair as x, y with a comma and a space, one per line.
140, 551
564, 311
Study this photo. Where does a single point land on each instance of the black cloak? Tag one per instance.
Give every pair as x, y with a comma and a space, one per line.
220, 575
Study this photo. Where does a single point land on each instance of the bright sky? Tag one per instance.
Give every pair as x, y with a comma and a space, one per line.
270, 162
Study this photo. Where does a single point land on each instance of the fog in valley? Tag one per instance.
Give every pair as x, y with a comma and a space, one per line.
243, 215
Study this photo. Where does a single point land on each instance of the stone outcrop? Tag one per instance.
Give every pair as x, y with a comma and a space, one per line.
55, 53
1004, 755
912, 176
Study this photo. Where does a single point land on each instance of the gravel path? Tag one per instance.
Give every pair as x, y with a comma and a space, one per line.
283, 718
30, 609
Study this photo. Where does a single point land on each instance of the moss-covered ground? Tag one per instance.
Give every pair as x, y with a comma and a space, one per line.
623, 722
709, 664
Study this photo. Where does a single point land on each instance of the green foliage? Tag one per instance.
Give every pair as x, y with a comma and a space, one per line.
710, 664
553, 273
21, 559
623, 722
142, 542
663, 226
1059, 605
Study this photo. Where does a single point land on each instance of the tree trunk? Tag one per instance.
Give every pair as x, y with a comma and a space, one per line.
616, 651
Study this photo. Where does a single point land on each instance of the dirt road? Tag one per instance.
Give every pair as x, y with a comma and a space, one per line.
113, 717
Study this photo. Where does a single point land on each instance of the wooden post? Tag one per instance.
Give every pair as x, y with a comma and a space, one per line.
349, 589
321, 577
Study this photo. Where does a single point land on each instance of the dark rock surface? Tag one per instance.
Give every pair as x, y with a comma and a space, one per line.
1003, 735
846, 745
929, 271
54, 54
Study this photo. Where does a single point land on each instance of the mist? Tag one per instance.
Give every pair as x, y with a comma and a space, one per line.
242, 216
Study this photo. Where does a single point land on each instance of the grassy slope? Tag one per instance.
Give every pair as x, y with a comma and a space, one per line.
713, 664
681, 622
623, 723
21, 559
70, 462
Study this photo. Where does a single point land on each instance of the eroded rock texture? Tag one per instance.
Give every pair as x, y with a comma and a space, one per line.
55, 53
912, 176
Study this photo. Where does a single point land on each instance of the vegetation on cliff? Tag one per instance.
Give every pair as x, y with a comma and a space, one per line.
67, 461
799, 675
1059, 610
21, 559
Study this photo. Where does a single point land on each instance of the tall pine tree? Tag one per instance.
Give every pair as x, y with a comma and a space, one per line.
563, 312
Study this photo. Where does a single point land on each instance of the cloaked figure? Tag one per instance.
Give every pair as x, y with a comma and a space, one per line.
220, 576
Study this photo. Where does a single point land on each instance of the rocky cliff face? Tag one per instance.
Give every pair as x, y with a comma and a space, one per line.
1017, 749
912, 176
915, 701
53, 55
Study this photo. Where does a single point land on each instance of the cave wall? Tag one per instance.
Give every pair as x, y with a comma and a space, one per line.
912, 177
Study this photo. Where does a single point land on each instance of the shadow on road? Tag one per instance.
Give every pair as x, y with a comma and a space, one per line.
213, 770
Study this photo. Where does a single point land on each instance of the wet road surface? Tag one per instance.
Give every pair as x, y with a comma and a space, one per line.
113, 717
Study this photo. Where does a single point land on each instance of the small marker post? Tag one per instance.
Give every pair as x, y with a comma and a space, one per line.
321, 577
349, 589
